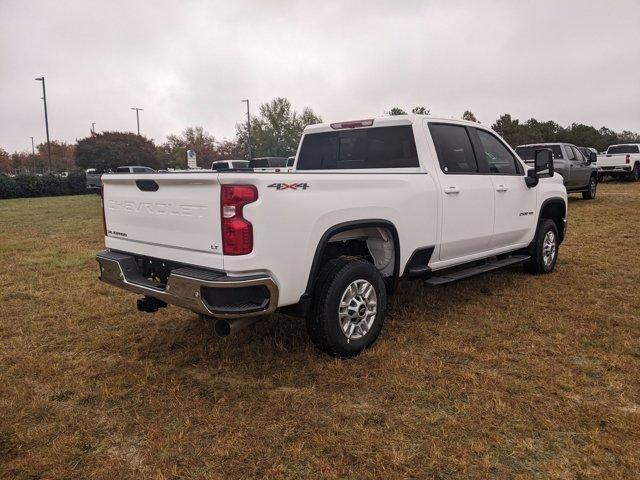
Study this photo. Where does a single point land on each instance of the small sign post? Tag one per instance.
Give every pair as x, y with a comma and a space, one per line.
191, 159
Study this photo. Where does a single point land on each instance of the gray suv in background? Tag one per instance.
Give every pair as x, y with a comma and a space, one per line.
580, 173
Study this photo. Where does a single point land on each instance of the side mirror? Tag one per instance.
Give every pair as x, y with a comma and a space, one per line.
593, 157
531, 179
543, 162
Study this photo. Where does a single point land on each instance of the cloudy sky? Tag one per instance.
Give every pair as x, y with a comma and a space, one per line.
190, 63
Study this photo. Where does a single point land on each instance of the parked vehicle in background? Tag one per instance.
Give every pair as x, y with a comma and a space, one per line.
368, 201
578, 171
586, 151
268, 162
93, 180
620, 161
220, 165
134, 169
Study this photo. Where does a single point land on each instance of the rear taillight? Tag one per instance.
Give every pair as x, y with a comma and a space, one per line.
627, 159
104, 221
237, 232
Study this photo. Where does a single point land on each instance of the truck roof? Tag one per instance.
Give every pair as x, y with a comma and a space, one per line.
545, 143
385, 121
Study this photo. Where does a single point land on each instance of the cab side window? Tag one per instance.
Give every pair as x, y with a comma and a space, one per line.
498, 157
454, 148
569, 151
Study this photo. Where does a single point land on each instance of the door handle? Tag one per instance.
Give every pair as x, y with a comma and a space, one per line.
451, 189
501, 188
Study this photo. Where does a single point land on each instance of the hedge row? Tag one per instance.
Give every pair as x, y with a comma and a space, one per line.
48, 185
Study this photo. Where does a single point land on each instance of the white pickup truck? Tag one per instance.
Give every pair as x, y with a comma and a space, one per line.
367, 202
620, 161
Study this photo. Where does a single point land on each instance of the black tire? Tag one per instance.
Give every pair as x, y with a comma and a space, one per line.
591, 191
537, 264
600, 177
634, 176
323, 321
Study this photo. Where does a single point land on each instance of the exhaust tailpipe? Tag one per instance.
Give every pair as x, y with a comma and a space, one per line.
225, 327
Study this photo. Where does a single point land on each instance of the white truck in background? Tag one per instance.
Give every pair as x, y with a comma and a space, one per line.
620, 161
367, 202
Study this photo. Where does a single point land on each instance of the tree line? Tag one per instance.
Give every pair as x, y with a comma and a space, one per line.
535, 131
275, 131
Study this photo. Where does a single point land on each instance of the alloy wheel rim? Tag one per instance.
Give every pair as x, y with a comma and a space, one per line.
357, 309
593, 188
549, 248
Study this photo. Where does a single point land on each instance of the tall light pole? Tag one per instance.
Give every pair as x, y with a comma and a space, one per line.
248, 129
46, 117
137, 116
33, 152
93, 128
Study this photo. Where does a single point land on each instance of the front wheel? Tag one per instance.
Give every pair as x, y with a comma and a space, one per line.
590, 193
348, 307
544, 249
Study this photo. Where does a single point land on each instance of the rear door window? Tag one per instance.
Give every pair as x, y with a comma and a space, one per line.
378, 147
454, 149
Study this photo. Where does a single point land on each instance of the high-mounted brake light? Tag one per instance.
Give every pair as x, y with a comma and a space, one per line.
627, 159
353, 124
237, 232
104, 220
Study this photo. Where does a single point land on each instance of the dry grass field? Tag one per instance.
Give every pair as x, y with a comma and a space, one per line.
501, 376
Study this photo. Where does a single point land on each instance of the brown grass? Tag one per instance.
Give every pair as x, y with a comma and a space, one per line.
501, 376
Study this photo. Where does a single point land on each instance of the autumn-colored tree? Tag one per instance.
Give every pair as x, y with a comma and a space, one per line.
5, 161
62, 157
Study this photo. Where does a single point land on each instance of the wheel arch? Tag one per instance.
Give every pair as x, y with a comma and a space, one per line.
555, 209
346, 227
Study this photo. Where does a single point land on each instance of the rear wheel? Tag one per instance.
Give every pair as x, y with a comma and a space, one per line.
600, 177
634, 176
590, 193
544, 250
348, 307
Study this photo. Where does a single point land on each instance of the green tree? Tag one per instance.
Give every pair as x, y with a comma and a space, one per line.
421, 111
276, 131
107, 150
469, 116
511, 130
173, 153
396, 111
174, 150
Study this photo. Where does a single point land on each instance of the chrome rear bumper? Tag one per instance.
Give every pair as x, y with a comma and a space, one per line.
190, 288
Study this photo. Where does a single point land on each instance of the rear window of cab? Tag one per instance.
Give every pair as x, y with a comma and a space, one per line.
362, 148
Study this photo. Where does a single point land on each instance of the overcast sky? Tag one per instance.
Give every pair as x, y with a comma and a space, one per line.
190, 63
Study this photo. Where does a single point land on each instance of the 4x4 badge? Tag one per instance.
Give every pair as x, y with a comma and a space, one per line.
292, 186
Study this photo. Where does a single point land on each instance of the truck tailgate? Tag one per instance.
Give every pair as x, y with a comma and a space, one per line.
167, 215
607, 160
